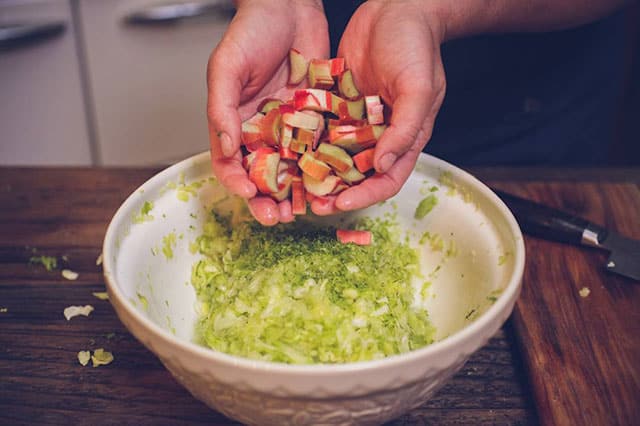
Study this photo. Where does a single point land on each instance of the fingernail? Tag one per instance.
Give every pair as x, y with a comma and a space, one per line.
387, 161
344, 203
225, 144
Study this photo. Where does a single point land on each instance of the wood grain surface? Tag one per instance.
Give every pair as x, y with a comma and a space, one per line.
582, 353
576, 357
64, 213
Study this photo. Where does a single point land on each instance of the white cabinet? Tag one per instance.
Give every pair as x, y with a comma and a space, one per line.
42, 111
147, 79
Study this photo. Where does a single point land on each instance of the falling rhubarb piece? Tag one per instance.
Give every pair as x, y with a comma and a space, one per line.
362, 238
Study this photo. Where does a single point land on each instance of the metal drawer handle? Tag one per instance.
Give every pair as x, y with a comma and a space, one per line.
170, 13
17, 35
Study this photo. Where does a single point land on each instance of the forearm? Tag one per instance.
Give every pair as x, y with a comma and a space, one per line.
468, 17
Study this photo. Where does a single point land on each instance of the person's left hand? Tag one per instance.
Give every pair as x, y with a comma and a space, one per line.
392, 49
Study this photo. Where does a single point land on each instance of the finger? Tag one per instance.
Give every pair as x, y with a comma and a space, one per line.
265, 210
409, 118
380, 186
230, 173
324, 206
286, 213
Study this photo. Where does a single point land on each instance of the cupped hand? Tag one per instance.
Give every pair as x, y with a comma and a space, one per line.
393, 49
249, 64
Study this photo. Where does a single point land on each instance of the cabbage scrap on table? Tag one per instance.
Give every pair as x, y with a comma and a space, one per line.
293, 294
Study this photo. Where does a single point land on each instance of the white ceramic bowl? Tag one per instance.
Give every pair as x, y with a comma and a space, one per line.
472, 294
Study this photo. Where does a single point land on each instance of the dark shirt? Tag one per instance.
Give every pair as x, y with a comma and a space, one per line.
539, 98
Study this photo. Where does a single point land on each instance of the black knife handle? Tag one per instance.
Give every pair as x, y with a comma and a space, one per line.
546, 222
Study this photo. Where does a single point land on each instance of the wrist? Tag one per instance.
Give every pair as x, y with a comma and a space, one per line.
285, 3
462, 18
459, 18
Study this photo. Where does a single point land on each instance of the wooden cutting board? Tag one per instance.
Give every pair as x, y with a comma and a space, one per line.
582, 353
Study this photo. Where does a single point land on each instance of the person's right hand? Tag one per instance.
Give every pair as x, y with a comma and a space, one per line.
249, 64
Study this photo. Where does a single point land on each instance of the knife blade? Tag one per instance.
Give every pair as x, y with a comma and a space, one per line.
552, 224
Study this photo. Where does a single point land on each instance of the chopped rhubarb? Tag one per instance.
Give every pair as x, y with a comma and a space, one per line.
364, 160
306, 99
301, 119
298, 197
337, 66
263, 170
268, 104
320, 187
284, 181
288, 153
316, 144
347, 87
320, 74
374, 109
352, 109
334, 156
351, 176
286, 134
298, 67
251, 130
298, 147
270, 127
362, 238
247, 160
313, 167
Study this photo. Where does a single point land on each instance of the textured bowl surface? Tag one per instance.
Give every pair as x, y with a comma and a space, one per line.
475, 282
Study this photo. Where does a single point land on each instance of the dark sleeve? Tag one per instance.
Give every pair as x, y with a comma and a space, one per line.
338, 14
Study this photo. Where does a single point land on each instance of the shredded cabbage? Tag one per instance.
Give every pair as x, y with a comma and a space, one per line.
293, 294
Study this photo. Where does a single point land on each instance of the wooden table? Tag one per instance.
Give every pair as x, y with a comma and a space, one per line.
560, 359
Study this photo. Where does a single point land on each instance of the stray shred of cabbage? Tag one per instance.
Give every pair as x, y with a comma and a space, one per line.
74, 311
70, 275
84, 357
102, 295
101, 357
293, 294
145, 213
425, 206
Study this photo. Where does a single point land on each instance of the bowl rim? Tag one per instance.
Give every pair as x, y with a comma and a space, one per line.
504, 303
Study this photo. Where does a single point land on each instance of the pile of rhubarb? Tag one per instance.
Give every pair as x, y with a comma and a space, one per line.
319, 143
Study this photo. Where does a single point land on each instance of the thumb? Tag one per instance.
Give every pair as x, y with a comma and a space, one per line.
224, 88
409, 121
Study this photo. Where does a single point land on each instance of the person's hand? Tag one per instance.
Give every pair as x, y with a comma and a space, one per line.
392, 49
249, 64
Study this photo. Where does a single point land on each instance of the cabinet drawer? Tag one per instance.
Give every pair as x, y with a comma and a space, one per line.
42, 113
147, 76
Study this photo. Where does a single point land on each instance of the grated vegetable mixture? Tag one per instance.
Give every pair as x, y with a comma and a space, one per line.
293, 294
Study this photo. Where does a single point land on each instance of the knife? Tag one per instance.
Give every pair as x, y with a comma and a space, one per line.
552, 224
